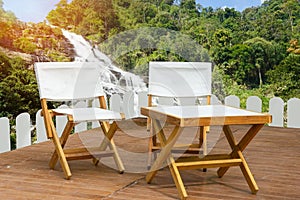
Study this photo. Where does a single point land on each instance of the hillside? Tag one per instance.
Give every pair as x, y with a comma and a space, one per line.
255, 52
22, 44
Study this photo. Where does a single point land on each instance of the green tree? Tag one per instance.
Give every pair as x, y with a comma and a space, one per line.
18, 93
221, 43
262, 52
5, 66
245, 45
238, 67
285, 77
18, 88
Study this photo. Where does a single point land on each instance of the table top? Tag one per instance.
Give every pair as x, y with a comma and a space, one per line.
205, 115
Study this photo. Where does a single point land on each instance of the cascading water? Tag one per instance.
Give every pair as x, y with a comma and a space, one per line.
114, 79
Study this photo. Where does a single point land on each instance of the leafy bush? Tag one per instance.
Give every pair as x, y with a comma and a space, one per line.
25, 45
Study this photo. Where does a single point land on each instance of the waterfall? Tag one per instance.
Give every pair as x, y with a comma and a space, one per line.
114, 79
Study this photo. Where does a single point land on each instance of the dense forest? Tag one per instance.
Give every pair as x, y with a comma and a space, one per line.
254, 52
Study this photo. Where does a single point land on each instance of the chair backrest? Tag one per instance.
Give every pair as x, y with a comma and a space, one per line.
62, 81
180, 79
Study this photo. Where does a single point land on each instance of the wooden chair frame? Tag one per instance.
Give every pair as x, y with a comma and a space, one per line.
64, 155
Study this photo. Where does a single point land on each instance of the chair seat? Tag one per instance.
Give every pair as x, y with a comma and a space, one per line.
90, 114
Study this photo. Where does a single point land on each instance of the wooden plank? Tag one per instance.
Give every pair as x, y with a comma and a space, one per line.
229, 120
84, 153
205, 158
208, 164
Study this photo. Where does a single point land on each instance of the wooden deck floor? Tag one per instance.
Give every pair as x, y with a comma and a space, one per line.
273, 157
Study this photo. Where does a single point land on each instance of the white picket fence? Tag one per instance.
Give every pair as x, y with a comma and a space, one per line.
130, 105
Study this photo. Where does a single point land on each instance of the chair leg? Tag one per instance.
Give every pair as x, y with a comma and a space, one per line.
62, 158
150, 145
203, 141
109, 131
117, 157
63, 140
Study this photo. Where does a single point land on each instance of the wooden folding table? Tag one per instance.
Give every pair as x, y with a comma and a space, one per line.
201, 116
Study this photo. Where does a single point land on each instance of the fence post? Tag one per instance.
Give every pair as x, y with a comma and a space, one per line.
23, 134
142, 102
215, 100
4, 135
276, 109
115, 103
293, 110
41, 135
128, 105
254, 103
233, 101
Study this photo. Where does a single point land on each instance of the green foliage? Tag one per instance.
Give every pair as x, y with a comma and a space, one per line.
25, 45
223, 86
143, 45
4, 66
13, 140
57, 56
249, 47
93, 18
285, 77
18, 91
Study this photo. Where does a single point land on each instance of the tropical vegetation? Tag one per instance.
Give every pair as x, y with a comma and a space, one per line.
256, 51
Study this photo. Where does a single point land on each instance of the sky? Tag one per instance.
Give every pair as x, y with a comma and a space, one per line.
37, 10
239, 5
30, 10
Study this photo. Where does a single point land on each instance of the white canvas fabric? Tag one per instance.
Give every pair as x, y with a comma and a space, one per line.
204, 111
68, 80
180, 79
90, 114
61, 81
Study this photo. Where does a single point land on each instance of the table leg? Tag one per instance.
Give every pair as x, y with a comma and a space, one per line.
165, 154
237, 153
177, 178
167, 145
247, 174
203, 139
242, 144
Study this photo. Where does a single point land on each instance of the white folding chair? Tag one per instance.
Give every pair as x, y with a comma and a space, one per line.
181, 82
73, 81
